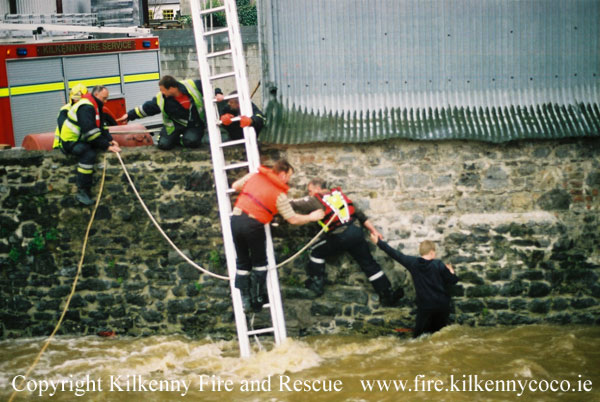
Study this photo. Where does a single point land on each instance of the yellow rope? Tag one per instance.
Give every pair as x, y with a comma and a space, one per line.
62, 316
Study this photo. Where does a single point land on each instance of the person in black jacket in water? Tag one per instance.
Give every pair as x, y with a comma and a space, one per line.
431, 277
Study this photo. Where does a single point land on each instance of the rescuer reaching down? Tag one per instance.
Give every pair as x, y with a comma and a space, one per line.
182, 107
231, 110
83, 134
262, 195
344, 234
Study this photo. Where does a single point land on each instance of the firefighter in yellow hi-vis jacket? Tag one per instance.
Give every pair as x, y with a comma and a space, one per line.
182, 107
343, 234
75, 95
83, 134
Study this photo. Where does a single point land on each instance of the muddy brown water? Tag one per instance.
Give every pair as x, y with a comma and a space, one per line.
526, 363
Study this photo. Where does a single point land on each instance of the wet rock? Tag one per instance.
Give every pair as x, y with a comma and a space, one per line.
180, 306
538, 289
482, 291
470, 306
325, 309
555, 200
539, 306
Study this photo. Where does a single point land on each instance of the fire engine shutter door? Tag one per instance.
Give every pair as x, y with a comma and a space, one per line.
141, 73
36, 88
94, 70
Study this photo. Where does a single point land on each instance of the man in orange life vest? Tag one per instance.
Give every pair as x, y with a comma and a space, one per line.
182, 106
262, 196
343, 234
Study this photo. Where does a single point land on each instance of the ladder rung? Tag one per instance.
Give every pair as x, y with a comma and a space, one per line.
212, 10
230, 191
236, 165
217, 54
216, 31
232, 143
261, 331
224, 75
234, 96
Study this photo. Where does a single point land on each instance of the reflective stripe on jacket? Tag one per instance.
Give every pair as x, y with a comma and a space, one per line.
57, 142
71, 130
259, 195
338, 206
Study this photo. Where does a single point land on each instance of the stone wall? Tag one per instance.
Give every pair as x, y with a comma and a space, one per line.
178, 58
518, 221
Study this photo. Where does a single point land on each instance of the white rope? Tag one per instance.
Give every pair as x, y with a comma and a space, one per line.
310, 243
185, 257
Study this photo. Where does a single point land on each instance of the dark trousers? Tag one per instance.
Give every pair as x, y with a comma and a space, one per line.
350, 240
85, 152
430, 321
188, 137
250, 242
250, 246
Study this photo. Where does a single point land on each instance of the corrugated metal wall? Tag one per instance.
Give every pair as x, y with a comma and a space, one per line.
493, 70
35, 7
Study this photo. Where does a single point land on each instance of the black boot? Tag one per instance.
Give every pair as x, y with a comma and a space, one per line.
84, 197
391, 298
316, 284
242, 282
258, 290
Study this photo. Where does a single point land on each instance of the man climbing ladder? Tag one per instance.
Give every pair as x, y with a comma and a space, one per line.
203, 33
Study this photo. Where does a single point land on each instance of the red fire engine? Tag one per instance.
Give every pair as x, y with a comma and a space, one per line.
35, 79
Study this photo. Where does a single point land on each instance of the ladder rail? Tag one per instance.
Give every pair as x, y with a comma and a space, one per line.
220, 166
221, 184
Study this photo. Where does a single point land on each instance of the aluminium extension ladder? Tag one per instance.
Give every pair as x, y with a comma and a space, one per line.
202, 13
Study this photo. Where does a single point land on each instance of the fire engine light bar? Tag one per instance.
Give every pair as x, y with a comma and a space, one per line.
21, 51
146, 43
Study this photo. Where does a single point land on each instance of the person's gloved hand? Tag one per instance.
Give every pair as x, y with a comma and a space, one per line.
245, 121
226, 119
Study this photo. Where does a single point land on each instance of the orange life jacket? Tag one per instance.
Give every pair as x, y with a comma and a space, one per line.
89, 97
259, 195
338, 206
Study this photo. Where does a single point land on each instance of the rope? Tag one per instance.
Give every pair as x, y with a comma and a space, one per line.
310, 243
185, 257
62, 316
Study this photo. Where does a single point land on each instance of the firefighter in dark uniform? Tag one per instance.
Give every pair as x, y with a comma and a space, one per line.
83, 134
230, 110
262, 195
343, 234
182, 106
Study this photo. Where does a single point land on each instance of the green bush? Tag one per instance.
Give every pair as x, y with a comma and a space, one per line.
246, 12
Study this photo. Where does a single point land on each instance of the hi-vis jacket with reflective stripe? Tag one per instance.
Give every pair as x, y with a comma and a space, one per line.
62, 117
172, 112
83, 120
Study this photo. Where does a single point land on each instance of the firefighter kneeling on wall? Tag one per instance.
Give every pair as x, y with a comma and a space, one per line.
182, 107
343, 234
262, 196
83, 134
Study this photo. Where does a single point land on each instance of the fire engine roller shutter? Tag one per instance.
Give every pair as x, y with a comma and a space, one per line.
141, 73
37, 86
95, 70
